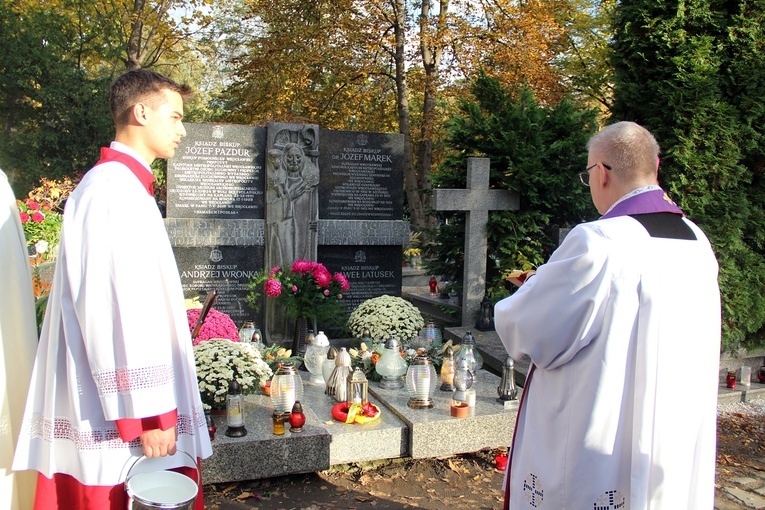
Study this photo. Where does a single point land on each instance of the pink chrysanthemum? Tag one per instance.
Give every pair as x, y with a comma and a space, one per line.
322, 276
326, 292
302, 266
32, 205
294, 288
273, 288
342, 280
275, 270
38, 217
216, 325
24, 217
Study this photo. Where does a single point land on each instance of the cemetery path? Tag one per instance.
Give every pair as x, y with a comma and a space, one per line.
470, 481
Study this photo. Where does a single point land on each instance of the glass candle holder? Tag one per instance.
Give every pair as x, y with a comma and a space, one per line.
315, 356
468, 352
420, 383
448, 369
329, 363
246, 331
286, 388
297, 417
391, 366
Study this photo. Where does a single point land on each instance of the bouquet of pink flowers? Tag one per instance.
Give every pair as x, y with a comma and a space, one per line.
307, 290
216, 325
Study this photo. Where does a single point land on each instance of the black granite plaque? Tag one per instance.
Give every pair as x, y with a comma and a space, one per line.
217, 172
362, 176
225, 269
371, 270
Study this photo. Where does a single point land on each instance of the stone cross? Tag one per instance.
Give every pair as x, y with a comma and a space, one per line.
477, 200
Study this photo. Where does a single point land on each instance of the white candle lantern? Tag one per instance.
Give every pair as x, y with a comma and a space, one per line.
420, 383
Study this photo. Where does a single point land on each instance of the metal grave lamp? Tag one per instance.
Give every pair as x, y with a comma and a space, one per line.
358, 388
420, 383
391, 366
506, 388
315, 356
485, 320
463, 380
286, 388
337, 385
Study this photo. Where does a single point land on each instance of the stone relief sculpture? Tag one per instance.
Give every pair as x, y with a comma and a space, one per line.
292, 204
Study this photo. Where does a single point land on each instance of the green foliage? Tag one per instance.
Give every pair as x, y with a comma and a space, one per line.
53, 117
693, 74
534, 150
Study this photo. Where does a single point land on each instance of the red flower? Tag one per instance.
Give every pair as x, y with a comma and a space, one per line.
38, 217
32, 204
24, 217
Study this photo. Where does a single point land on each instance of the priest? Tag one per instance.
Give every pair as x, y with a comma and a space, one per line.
624, 315
114, 377
18, 343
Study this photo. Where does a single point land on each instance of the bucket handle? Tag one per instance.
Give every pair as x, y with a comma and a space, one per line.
144, 457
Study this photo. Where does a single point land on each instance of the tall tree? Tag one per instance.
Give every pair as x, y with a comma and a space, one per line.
535, 150
382, 64
691, 72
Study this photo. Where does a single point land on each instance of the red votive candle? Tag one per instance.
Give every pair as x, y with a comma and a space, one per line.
501, 461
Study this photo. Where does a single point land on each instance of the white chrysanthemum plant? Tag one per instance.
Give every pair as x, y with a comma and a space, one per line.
386, 317
218, 361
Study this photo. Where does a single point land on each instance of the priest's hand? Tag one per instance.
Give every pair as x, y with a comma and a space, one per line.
158, 442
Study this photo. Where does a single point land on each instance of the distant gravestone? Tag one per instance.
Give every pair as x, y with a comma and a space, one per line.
477, 200
215, 208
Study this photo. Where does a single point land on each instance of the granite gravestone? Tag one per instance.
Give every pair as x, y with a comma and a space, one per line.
215, 209
361, 227
234, 194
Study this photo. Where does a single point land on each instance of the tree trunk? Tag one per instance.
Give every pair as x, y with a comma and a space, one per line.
416, 205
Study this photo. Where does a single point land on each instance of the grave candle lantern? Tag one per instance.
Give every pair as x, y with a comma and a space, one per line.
506, 388
448, 368
391, 366
246, 331
286, 388
420, 383
297, 417
467, 351
329, 363
337, 384
235, 411
315, 356
358, 388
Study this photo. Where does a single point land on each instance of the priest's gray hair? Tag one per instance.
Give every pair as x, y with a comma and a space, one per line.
630, 149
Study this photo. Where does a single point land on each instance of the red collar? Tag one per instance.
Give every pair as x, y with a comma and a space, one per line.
143, 175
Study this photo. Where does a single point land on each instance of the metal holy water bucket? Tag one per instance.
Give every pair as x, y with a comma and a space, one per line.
160, 489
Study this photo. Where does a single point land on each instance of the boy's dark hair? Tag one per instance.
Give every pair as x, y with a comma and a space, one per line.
138, 86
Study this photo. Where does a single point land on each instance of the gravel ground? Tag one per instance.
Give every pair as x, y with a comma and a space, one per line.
755, 407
